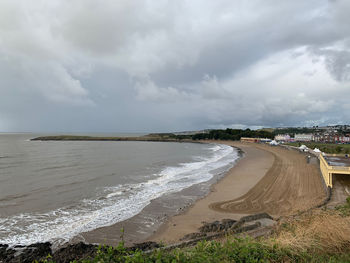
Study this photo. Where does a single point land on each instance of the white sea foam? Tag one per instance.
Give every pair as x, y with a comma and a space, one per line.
114, 194
115, 203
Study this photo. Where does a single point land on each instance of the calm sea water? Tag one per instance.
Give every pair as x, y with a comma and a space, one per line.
55, 190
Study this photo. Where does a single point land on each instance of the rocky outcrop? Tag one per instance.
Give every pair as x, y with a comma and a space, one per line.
230, 226
74, 252
71, 252
145, 246
193, 236
24, 254
217, 226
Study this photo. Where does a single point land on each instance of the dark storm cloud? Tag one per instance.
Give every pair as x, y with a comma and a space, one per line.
172, 65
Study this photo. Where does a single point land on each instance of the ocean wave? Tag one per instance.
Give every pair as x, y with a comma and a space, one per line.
113, 204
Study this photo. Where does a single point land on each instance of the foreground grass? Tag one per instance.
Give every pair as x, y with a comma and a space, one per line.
325, 147
232, 250
317, 236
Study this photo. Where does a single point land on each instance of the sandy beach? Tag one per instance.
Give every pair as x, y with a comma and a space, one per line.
267, 179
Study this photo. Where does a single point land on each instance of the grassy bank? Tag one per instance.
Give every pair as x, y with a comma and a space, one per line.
325, 147
317, 236
232, 250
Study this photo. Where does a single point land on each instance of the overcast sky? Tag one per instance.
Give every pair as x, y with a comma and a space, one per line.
145, 66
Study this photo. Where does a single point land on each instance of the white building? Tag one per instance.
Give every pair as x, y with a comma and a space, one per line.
282, 138
304, 137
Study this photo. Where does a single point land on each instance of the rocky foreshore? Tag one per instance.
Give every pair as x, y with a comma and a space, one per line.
41, 251
78, 251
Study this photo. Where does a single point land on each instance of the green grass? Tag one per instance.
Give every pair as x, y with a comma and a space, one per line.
332, 244
232, 250
345, 208
325, 147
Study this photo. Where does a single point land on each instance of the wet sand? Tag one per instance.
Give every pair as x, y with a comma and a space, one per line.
267, 179
146, 222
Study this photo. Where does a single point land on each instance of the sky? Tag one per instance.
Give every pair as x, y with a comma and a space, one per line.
159, 66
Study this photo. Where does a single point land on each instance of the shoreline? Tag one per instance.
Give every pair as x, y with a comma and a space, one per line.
139, 225
254, 184
148, 221
253, 164
267, 179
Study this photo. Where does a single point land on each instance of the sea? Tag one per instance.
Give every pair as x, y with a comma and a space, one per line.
56, 190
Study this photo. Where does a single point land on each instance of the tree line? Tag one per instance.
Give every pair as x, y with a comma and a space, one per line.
228, 134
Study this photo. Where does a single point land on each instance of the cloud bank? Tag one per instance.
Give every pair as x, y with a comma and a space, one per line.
129, 66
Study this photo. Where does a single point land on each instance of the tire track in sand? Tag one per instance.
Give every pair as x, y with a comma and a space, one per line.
290, 185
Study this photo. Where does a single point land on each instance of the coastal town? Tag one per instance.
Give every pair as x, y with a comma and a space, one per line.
326, 134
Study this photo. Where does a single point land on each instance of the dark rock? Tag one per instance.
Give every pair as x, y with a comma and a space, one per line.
248, 227
145, 246
193, 236
236, 225
6, 254
74, 252
210, 227
40, 251
227, 223
255, 217
217, 226
25, 254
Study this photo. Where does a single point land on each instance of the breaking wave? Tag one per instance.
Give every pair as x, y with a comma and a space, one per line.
113, 204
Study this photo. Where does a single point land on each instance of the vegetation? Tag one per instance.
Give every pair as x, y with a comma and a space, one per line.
344, 209
231, 250
228, 134
232, 134
317, 232
291, 130
320, 235
325, 147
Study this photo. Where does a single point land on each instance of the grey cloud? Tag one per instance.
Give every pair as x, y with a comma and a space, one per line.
172, 65
338, 63
148, 91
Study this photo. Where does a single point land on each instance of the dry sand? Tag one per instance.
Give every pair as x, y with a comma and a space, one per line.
267, 179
